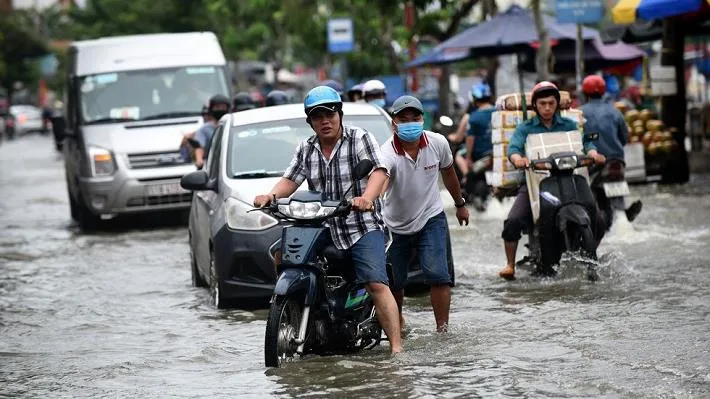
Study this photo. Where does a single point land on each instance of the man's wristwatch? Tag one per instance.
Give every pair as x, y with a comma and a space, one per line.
461, 205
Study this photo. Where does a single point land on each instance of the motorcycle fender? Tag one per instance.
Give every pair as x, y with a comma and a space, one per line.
572, 213
297, 281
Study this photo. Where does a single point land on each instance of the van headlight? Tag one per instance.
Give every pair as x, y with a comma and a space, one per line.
306, 210
102, 163
239, 219
566, 163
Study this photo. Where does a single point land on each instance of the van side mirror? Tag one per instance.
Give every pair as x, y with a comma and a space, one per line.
196, 181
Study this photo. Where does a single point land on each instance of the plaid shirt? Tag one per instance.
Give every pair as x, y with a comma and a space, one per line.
333, 177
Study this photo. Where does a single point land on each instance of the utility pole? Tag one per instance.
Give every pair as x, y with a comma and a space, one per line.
409, 21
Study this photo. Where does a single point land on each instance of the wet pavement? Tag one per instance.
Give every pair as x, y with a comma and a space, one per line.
112, 314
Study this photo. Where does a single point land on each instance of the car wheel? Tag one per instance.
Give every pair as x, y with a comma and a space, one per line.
215, 285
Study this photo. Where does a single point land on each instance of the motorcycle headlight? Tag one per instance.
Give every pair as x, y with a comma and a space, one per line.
102, 163
565, 163
306, 210
239, 219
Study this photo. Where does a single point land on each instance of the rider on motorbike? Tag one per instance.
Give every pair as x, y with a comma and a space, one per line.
326, 161
546, 103
607, 121
374, 92
355, 93
277, 97
478, 142
242, 101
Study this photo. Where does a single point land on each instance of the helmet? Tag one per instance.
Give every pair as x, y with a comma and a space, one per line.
322, 96
242, 101
218, 99
593, 85
333, 84
277, 97
545, 89
373, 87
480, 91
357, 89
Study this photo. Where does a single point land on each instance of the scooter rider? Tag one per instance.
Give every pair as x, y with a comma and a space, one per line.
242, 101
414, 211
374, 92
546, 103
335, 85
355, 93
326, 161
217, 107
478, 141
607, 121
277, 97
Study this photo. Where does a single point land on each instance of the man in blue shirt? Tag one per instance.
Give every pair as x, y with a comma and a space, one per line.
546, 103
217, 107
608, 122
478, 142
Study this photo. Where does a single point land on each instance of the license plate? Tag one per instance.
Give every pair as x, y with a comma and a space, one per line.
159, 190
616, 189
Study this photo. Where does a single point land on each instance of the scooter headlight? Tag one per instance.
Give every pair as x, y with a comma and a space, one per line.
566, 163
306, 210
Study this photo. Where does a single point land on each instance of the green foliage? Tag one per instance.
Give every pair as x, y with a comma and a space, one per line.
19, 45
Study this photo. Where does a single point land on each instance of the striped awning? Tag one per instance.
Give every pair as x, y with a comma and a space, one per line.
628, 11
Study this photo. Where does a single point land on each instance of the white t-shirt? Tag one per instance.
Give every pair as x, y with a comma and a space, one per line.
412, 195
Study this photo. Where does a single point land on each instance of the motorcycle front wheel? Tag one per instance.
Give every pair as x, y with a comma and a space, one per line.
281, 331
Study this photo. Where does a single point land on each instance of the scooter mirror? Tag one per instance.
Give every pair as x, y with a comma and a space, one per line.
363, 168
446, 121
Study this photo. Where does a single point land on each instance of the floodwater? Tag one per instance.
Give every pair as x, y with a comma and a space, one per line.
112, 314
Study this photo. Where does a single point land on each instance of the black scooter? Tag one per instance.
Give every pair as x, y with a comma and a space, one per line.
316, 306
568, 214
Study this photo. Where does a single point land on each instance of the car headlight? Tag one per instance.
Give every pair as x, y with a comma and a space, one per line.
102, 163
239, 219
306, 210
565, 163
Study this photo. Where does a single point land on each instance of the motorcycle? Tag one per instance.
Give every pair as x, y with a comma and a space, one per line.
610, 189
316, 306
567, 216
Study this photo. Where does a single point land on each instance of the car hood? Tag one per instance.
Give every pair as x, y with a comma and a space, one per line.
246, 189
132, 138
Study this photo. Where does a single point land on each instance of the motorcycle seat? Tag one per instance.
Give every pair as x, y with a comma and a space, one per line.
333, 254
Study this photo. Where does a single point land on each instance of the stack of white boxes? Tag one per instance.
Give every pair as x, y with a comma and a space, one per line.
503, 124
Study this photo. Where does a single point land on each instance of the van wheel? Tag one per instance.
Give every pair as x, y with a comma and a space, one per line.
215, 285
73, 208
86, 219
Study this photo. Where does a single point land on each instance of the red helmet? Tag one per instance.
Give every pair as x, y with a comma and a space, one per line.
593, 85
545, 89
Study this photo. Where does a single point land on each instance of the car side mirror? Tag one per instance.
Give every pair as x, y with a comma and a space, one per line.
196, 181
592, 136
363, 168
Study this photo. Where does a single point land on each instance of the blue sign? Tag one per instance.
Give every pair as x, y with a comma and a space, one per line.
48, 65
579, 11
340, 35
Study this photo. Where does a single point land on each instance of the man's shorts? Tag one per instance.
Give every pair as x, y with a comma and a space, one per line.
431, 246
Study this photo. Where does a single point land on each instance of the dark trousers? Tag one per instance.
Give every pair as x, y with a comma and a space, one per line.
520, 217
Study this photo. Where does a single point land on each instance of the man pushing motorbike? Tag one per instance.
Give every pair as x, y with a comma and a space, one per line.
326, 161
546, 103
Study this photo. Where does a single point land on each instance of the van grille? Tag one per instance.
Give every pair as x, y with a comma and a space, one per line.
155, 160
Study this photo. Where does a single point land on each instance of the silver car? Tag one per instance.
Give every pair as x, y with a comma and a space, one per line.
26, 118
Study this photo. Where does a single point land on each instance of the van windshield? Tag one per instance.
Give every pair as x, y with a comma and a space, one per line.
149, 94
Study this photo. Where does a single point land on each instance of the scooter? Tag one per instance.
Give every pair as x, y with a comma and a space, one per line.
567, 216
316, 307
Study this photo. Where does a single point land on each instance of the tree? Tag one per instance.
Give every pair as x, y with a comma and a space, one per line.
18, 47
543, 53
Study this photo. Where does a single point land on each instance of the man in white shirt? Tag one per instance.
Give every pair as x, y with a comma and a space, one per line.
413, 209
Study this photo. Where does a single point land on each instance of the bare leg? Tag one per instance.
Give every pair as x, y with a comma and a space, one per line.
508, 272
441, 302
387, 314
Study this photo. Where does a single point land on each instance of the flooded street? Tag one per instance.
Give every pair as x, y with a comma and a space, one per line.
112, 314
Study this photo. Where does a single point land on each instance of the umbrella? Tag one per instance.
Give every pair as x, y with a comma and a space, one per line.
648, 31
511, 32
627, 11
439, 56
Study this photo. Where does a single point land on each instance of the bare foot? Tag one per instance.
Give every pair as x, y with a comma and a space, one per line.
508, 273
396, 349
443, 328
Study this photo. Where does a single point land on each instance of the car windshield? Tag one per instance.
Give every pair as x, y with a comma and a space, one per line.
149, 94
266, 149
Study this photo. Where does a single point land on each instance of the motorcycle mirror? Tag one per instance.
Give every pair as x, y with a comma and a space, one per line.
363, 168
446, 121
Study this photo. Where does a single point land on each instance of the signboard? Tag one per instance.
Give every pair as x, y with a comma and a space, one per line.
340, 35
663, 81
579, 11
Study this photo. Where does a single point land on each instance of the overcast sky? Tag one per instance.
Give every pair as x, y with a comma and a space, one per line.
40, 3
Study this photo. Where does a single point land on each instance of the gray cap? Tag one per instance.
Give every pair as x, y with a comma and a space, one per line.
405, 102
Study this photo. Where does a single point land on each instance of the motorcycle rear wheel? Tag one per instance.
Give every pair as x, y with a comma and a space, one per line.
282, 331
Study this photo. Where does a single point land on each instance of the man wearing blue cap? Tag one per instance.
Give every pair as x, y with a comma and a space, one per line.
413, 210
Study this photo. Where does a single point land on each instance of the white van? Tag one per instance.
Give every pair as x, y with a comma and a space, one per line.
130, 100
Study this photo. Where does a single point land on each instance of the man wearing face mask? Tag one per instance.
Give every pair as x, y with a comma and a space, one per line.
217, 107
374, 92
413, 210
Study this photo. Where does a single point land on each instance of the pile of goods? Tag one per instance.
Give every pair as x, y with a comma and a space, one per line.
505, 119
643, 128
